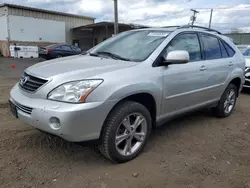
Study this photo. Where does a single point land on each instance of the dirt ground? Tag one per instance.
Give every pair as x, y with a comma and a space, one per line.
9, 76
197, 150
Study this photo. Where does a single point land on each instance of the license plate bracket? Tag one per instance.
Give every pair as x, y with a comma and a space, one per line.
13, 109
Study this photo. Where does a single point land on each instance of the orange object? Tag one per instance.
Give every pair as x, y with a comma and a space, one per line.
12, 66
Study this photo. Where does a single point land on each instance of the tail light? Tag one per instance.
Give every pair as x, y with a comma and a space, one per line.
49, 50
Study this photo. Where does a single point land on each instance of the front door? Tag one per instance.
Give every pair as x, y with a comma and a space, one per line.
183, 85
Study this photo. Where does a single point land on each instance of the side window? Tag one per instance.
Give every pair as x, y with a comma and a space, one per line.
188, 42
66, 48
223, 50
230, 51
211, 47
75, 48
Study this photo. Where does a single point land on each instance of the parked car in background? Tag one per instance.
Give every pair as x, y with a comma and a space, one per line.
246, 53
122, 88
242, 47
58, 50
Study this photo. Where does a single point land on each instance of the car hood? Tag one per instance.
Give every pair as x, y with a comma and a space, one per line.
247, 61
84, 65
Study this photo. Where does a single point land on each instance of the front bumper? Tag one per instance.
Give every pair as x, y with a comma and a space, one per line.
79, 122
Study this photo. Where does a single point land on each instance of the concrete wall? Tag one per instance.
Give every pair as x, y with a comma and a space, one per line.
36, 30
70, 21
3, 27
240, 38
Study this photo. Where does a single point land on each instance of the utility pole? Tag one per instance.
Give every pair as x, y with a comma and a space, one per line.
193, 18
210, 20
116, 17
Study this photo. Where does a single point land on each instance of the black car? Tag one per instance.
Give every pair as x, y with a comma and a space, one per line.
58, 50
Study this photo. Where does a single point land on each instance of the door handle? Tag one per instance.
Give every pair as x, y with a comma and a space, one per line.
203, 68
230, 64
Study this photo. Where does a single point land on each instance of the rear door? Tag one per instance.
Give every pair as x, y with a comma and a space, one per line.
218, 63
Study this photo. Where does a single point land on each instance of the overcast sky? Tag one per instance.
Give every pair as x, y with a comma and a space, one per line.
154, 12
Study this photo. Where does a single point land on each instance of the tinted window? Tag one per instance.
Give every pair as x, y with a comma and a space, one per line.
66, 48
211, 47
230, 51
223, 50
187, 42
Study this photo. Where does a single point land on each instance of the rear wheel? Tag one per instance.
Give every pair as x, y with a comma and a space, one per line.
125, 132
58, 56
227, 101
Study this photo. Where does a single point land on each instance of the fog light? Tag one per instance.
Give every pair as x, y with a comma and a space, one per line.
54, 123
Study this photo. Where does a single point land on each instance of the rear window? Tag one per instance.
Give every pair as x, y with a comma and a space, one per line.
223, 50
230, 51
52, 46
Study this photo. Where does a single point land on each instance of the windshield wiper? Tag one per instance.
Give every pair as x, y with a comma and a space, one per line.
114, 56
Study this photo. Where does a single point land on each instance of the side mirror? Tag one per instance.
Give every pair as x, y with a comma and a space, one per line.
177, 57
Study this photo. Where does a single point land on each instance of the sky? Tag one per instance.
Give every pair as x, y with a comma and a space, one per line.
227, 14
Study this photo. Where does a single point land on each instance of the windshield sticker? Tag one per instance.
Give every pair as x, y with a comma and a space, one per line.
158, 34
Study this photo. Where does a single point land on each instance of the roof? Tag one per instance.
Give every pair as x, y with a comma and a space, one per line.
100, 24
44, 11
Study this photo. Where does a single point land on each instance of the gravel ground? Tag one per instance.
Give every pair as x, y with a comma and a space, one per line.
197, 150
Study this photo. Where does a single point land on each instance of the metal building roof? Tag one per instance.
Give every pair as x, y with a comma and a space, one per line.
44, 11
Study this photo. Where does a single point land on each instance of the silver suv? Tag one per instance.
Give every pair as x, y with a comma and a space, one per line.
125, 86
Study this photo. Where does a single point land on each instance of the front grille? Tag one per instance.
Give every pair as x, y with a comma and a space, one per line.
23, 108
31, 83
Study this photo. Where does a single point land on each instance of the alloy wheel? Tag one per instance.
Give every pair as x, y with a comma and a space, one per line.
230, 101
131, 134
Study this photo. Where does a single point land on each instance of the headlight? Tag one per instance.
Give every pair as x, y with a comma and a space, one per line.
74, 92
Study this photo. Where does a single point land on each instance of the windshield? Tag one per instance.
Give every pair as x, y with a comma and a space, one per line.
131, 46
246, 52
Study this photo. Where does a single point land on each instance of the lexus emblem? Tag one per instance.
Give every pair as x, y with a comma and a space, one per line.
23, 80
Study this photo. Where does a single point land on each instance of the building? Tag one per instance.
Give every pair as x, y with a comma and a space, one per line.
33, 26
90, 35
240, 38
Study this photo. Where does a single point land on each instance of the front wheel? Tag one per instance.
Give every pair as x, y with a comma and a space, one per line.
227, 101
125, 132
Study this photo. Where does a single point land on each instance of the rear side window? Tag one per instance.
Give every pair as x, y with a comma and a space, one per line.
211, 47
223, 50
188, 42
75, 48
66, 48
230, 51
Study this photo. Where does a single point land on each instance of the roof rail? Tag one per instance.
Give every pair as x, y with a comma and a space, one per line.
200, 27
171, 26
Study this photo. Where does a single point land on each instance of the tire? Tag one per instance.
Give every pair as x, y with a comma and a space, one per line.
220, 110
115, 122
59, 56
